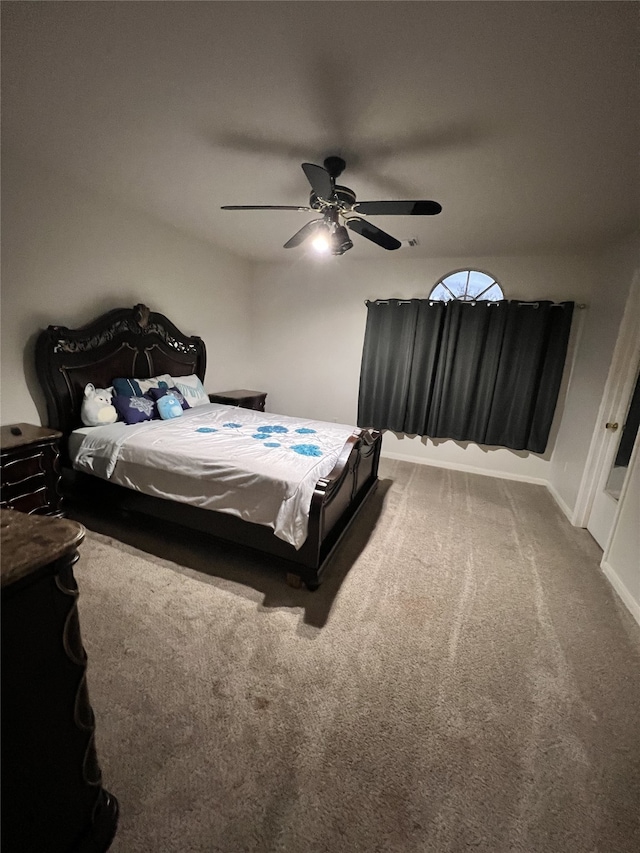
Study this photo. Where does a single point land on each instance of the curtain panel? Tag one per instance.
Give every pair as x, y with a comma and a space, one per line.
487, 372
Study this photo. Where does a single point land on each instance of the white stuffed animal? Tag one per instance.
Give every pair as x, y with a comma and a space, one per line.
96, 407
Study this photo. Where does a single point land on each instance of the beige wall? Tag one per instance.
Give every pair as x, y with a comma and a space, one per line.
68, 255
615, 268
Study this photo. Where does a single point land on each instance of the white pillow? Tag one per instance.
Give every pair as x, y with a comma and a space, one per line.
138, 387
154, 382
191, 389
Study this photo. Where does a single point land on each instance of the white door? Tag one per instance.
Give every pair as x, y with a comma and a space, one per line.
621, 560
620, 434
617, 425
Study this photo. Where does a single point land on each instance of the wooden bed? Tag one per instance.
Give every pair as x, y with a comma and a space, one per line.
141, 343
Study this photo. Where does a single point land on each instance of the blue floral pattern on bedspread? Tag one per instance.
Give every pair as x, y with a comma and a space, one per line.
307, 449
267, 431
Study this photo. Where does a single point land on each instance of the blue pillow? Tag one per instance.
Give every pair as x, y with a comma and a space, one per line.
126, 388
134, 410
169, 407
157, 393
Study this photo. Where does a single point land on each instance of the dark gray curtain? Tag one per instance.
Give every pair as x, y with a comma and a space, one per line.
487, 372
388, 354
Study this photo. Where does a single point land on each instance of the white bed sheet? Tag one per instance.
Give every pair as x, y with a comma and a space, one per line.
259, 466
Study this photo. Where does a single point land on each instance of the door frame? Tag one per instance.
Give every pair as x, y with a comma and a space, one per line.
631, 598
615, 400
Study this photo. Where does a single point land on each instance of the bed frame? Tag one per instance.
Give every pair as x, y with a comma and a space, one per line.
141, 343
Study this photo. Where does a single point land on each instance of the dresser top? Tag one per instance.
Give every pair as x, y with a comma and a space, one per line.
29, 433
28, 542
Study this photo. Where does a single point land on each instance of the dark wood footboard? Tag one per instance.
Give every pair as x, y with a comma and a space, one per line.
337, 499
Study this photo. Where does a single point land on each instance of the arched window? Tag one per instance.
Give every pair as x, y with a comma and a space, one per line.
467, 286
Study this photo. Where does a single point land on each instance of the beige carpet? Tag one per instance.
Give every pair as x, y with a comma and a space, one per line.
465, 679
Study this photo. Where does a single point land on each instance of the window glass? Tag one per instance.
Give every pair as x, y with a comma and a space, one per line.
467, 286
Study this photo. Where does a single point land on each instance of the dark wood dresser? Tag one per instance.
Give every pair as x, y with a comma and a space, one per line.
52, 797
30, 470
240, 397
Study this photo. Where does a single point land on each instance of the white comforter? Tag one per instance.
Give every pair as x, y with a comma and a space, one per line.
258, 466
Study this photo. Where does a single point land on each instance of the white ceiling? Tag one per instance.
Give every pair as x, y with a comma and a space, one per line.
520, 118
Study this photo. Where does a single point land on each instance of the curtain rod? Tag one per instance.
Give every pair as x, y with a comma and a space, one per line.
580, 305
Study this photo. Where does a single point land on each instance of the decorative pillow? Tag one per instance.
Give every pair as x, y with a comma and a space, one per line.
157, 393
126, 387
169, 407
97, 408
138, 387
161, 381
192, 389
134, 410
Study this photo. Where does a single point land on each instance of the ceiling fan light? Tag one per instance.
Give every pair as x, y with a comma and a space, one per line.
321, 244
340, 241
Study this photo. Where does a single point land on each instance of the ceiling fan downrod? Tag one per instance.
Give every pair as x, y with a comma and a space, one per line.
335, 166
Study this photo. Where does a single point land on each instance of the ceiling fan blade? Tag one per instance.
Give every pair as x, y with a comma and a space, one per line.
301, 235
319, 179
398, 208
262, 207
371, 232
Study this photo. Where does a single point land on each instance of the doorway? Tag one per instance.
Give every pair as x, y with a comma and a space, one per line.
624, 431
617, 429
628, 435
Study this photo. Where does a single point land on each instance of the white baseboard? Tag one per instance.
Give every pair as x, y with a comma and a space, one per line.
628, 600
469, 469
566, 509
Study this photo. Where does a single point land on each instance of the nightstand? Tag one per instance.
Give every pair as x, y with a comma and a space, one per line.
30, 470
241, 397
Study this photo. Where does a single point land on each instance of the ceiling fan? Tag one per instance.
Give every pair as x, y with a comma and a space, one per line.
334, 202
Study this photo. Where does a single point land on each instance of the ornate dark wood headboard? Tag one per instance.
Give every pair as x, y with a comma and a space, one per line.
128, 342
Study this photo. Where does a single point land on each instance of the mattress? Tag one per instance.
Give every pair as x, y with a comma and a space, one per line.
258, 466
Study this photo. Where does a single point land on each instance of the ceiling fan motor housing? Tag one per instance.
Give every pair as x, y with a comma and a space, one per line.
343, 194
